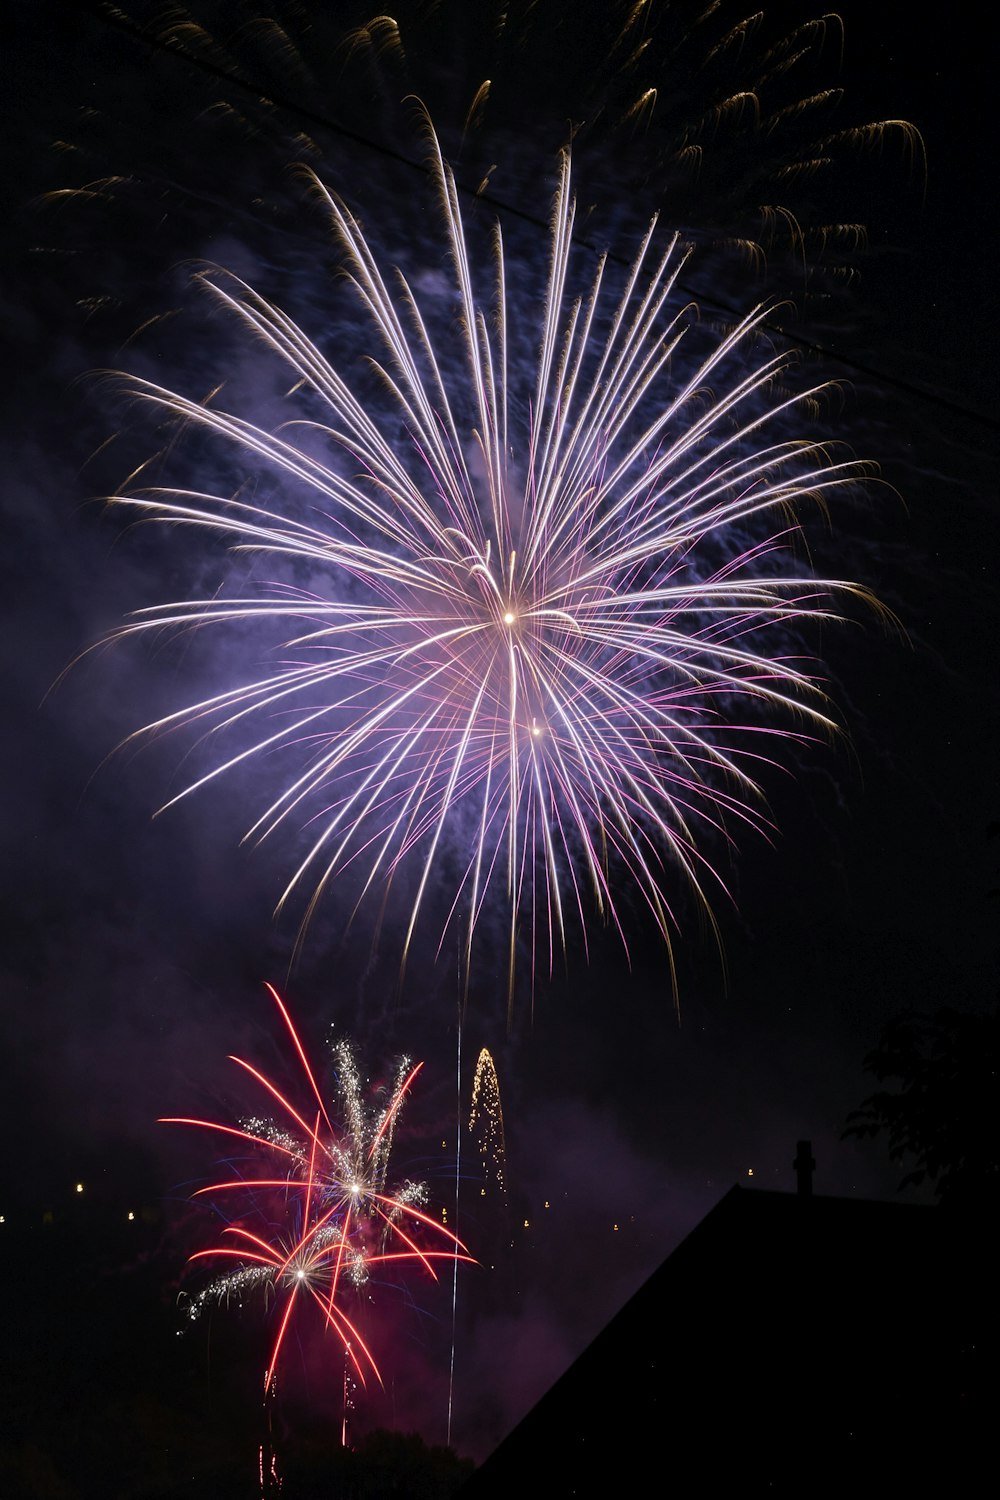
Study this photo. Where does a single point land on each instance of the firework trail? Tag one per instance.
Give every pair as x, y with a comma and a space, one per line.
316, 1215
486, 1127
539, 652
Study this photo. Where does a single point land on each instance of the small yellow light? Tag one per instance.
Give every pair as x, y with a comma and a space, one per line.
749, 1171
526, 1224
131, 1216
615, 1227
79, 1187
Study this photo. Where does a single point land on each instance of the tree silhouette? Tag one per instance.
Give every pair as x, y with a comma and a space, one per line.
942, 1117
383, 1465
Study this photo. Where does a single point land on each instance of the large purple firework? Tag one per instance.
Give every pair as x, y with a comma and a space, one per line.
544, 630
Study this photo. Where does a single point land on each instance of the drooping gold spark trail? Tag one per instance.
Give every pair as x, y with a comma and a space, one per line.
486, 1122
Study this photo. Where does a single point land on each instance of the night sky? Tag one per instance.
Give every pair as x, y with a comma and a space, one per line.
136, 949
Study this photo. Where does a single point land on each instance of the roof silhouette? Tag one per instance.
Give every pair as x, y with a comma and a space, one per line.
790, 1345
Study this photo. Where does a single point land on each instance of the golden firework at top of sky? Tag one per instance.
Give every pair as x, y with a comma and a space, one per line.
731, 125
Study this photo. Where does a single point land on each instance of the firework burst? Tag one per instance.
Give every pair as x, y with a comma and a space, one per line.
549, 626
316, 1214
